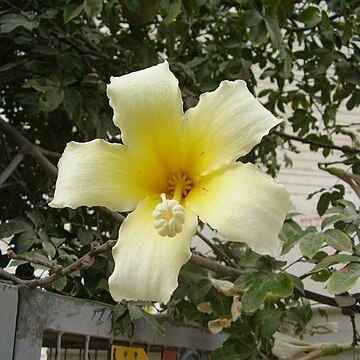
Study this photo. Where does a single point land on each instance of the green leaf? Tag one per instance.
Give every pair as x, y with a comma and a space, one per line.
323, 203
290, 234
335, 259
133, 5
220, 303
59, 284
241, 347
25, 240
135, 312
254, 297
297, 283
93, 8
197, 291
347, 33
173, 11
10, 22
57, 241
39, 84
250, 18
338, 240
51, 99
13, 227
310, 244
49, 249
72, 103
281, 285
321, 276
259, 33
330, 220
190, 273
85, 236
119, 310
36, 217
310, 16
228, 353
287, 66
268, 321
91, 78
274, 31
72, 10
152, 320
344, 279
122, 325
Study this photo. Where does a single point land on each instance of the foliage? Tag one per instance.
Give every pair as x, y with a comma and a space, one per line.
56, 59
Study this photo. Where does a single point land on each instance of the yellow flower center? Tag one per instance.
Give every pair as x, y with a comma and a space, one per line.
169, 215
179, 185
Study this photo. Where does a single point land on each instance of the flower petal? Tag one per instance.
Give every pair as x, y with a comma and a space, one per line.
147, 265
148, 109
216, 326
236, 308
243, 205
287, 347
205, 307
98, 173
225, 287
226, 124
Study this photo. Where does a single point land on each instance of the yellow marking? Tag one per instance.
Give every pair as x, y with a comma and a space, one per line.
119, 352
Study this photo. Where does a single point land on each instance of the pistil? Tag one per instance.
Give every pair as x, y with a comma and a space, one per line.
168, 216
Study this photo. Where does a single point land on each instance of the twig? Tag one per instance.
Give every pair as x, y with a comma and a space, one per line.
50, 154
217, 250
55, 267
83, 263
345, 149
6, 275
15, 162
117, 217
214, 266
352, 180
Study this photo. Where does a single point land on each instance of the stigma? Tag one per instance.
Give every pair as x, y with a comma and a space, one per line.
168, 216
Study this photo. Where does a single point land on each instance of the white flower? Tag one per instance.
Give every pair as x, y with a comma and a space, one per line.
288, 347
174, 168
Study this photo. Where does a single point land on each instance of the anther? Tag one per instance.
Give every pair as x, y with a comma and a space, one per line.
179, 183
168, 217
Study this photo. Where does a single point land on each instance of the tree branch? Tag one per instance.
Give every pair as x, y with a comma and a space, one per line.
6, 275
214, 266
344, 149
27, 147
83, 263
55, 267
217, 250
15, 162
352, 180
